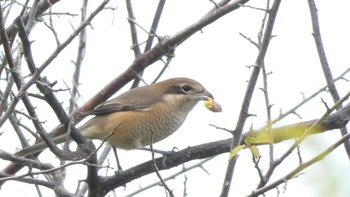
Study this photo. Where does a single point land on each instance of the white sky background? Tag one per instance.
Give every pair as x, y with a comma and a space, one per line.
217, 57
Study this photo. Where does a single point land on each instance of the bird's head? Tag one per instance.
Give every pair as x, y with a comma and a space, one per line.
183, 93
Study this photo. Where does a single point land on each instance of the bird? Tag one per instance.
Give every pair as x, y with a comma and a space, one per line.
140, 116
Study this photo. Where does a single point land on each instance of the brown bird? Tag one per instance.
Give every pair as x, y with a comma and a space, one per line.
156, 110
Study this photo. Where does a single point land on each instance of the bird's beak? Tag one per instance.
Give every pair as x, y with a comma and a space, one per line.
205, 96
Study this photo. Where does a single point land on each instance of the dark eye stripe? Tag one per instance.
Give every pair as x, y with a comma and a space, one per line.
174, 90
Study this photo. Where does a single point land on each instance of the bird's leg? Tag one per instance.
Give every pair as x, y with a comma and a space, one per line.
117, 159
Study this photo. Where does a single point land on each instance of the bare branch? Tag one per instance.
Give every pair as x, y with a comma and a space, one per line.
324, 63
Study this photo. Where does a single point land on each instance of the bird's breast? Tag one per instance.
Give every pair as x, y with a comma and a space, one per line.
135, 129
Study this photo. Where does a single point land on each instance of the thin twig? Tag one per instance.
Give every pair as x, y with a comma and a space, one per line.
162, 181
307, 99
79, 59
182, 171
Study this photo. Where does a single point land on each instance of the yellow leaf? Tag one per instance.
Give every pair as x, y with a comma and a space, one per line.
264, 137
255, 152
236, 150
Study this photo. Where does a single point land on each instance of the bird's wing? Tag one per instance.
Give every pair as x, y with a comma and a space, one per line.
132, 100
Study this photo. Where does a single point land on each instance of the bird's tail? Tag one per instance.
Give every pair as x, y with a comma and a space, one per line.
38, 147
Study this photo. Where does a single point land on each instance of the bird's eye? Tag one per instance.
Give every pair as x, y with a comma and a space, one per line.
186, 88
